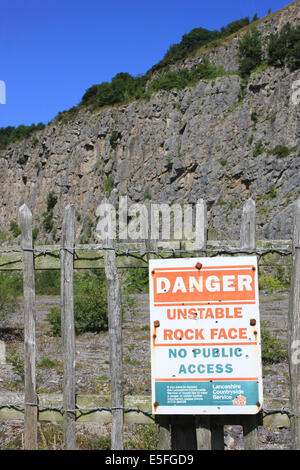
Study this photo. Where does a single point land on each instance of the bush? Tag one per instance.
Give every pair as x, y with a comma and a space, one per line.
137, 280
90, 304
48, 215
11, 286
250, 52
195, 39
271, 283
258, 149
183, 78
10, 134
284, 48
272, 350
14, 228
281, 151
47, 282
51, 201
35, 232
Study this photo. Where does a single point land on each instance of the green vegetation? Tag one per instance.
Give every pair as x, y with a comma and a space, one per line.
9, 135
183, 78
195, 39
272, 282
258, 149
17, 363
281, 151
48, 215
250, 52
51, 437
272, 349
35, 232
90, 304
124, 87
14, 228
284, 48
137, 280
108, 185
11, 286
113, 140
47, 282
254, 116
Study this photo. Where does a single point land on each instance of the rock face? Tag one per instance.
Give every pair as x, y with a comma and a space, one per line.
201, 142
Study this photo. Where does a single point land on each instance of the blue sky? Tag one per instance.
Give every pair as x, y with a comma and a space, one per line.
52, 52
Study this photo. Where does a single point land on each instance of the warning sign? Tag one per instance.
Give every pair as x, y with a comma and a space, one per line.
205, 336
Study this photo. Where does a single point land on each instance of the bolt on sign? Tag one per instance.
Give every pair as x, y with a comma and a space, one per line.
205, 336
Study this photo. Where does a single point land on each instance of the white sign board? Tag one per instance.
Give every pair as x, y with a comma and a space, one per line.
205, 336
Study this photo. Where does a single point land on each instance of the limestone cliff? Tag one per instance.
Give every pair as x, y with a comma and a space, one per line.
204, 141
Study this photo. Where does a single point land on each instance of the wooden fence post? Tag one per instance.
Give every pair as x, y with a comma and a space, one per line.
30, 417
67, 325
115, 343
294, 332
201, 225
203, 428
248, 241
247, 234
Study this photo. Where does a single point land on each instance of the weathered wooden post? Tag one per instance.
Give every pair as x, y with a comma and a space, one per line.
67, 325
294, 332
30, 418
201, 225
247, 234
203, 425
115, 336
248, 241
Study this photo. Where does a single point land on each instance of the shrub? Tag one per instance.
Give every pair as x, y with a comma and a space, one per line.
48, 215
108, 185
14, 228
258, 149
250, 52
11, 286
270, 283
113, 139
281, 151
47, 282
271, 348
35, 232
284, 47
10, 134
51, 201
184, 78
254, 117
90, 304
137, 280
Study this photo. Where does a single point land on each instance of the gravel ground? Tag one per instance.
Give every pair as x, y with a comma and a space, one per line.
92, 367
